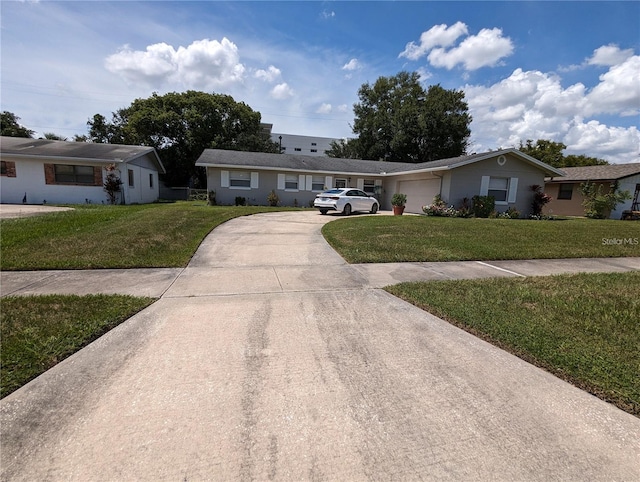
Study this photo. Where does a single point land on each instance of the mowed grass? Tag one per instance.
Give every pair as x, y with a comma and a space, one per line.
385, 239
40, 331
144, 236
583, 328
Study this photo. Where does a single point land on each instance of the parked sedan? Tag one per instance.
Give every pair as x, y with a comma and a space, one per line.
345, 201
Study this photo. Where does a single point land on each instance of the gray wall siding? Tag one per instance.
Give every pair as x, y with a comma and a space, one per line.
268, 181
465, 182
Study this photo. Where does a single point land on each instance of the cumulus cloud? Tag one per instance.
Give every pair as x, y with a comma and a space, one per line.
269, 75
436, 36
282, 91
609, 55
618, 90
353, 64
203, 64
535, 105
486, 49
324, 109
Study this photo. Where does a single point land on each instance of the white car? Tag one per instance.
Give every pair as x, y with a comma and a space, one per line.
346, 201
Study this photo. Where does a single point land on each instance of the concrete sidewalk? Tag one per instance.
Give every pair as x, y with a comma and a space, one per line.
269, 357
272, 277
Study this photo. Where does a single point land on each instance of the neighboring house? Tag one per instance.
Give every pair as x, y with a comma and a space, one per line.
567, 198
296, 179
37, 171
305, 145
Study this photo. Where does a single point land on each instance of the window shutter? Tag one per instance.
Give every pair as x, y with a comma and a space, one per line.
513, 189
484, 185
360, 184
328, 181
281, 182
224, 178
254, 180
301, 182
309, 183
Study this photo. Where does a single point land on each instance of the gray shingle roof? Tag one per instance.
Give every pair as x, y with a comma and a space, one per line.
294, 162
599, 173
82, 151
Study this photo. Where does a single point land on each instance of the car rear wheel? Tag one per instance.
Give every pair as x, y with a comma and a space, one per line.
374, 208
324, 211
346, 210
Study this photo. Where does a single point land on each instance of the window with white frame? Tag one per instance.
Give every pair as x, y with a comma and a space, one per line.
239, 179
317, 183
291, 181
503, 189
499, 188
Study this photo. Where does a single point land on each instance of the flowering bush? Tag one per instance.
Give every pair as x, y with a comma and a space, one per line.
511, 213
440, 208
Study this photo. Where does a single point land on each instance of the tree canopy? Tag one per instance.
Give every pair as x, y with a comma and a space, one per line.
180, 126
550, 152
10, 127
398, 120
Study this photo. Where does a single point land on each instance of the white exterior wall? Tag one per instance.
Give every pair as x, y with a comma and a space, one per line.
142, 192
30, 180
626, 184
292, 144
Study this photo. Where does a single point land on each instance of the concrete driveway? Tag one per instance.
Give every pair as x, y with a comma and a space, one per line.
270, 358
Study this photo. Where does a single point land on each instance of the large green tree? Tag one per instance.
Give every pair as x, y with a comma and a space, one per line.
398, 120
551, 153
10, 127
180, 126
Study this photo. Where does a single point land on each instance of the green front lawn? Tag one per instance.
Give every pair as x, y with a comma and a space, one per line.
39, 331
582, 328
142, 236
385, 239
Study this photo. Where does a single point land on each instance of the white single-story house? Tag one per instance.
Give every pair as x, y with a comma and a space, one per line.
40, 171
296, 179
566, 195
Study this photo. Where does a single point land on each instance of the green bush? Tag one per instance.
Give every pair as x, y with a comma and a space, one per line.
483, 206
399, 199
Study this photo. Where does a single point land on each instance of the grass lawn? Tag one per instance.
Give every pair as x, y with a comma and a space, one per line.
385, 239
38, 332
142, 236
582, 328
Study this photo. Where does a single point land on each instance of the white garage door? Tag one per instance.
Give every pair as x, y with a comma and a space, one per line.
419, 193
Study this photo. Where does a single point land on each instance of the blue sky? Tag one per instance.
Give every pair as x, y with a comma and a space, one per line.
565, 71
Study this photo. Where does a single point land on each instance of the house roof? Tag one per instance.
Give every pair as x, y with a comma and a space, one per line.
79, 151
294, 162
609, 172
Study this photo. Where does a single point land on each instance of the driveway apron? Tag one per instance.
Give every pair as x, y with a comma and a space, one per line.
270, 358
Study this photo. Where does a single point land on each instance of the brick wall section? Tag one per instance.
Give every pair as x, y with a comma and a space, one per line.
9, 168
49, 174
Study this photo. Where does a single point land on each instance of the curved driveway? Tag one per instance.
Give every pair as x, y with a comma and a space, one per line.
270, 358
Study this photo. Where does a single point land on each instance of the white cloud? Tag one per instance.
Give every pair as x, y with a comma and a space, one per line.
353, 64
203, 64
486, 49
436, 36
483, 50
343, 108
618, 90
269, 75
609, 55
327, 14
324, 109
534, 105
282, 91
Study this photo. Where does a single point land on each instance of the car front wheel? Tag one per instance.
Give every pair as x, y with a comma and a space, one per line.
346, 210
374, 208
